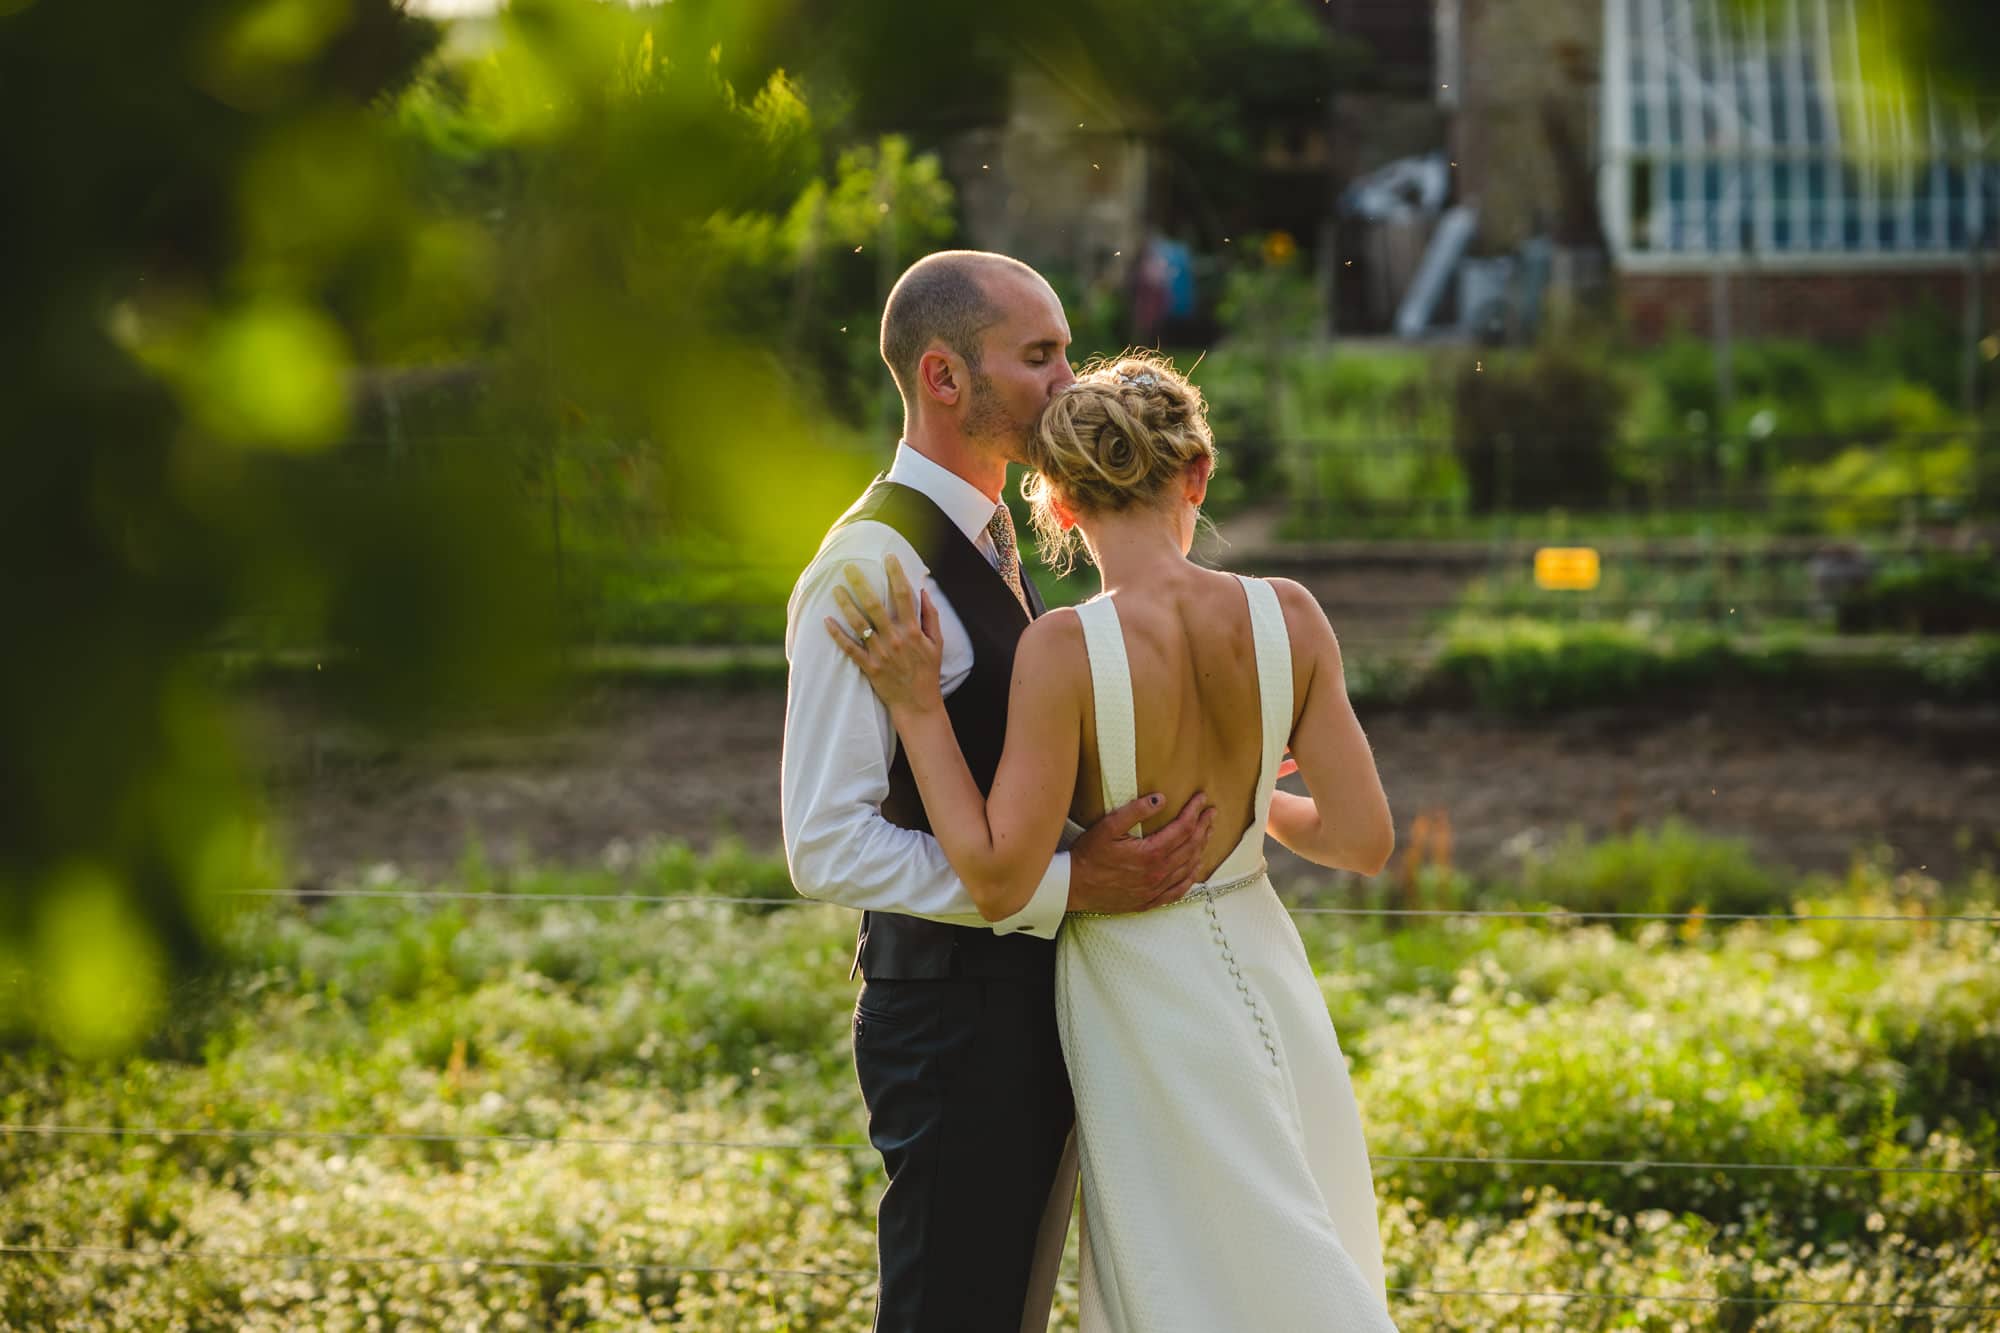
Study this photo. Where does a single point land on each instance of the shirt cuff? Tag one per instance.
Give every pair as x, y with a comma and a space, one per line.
1044, 913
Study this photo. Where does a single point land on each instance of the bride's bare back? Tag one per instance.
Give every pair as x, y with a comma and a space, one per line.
1195, 704
1197, 716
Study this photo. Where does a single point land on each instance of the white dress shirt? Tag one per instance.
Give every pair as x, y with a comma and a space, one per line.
839, 742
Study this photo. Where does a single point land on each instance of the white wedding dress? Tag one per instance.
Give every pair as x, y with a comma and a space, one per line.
1226, 1186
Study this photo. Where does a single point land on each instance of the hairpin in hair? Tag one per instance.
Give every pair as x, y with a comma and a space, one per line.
1145, 379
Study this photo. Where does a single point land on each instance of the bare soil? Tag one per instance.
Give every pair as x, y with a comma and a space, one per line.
628, 763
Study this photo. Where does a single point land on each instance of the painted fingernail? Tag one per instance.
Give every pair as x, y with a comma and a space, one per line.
1155, 800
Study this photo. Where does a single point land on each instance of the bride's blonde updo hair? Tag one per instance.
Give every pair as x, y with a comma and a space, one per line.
1118, 437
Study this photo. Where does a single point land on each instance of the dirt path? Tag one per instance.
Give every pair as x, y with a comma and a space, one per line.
632, 763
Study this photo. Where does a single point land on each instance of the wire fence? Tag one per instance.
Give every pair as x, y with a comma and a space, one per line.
1551, 914
619, 1265
1633, 1164
614, 1265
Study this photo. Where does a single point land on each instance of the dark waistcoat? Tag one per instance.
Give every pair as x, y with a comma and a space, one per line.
896, 946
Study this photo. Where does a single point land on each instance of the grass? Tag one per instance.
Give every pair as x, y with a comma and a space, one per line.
1834, 1043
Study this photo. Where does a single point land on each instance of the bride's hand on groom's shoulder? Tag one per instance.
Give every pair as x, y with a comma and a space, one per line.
894, 639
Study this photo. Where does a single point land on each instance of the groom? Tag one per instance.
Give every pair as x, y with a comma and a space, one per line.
955, 1039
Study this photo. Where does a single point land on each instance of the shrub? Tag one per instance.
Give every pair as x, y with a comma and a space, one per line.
1942, 592
1862, 487
1522, 666
1924, 345
1538, 430
1669, 869
1844, 1043
1372, 430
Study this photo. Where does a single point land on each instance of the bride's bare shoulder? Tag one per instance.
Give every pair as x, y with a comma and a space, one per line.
1303, 613
1310, 633
1304, 616
1053, 642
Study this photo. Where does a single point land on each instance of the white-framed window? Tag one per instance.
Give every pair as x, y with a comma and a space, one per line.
1730, 137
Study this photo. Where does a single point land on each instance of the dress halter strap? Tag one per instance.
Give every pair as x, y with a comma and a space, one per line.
1111, 688
1274, 681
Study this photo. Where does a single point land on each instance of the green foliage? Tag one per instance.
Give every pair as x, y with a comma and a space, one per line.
1359, 432
662, 1029
1864, 488
1669, 869
1925, 346
220, 232
1801, 392
1816, 439
1736, 595
694, 281
1946, 592
1538, 429
1524, 667
601, 224
1270, 302
813, 277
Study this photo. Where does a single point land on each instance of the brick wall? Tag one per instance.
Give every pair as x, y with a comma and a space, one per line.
1826, 306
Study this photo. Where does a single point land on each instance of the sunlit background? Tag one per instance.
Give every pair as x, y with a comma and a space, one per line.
416, 414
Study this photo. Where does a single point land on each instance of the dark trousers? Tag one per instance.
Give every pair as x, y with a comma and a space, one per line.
969, 1105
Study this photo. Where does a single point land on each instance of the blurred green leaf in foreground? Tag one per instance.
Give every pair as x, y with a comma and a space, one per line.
227, 220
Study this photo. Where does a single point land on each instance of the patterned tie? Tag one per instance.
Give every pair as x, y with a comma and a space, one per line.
1001, 529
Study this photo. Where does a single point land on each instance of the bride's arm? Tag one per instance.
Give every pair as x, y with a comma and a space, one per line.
999, 846
1345, 822
999, 843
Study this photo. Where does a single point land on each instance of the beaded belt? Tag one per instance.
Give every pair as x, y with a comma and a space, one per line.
1198, 893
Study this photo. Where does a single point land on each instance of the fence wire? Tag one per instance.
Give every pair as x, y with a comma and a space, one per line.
1561, 914
859, 1274
1634, 1164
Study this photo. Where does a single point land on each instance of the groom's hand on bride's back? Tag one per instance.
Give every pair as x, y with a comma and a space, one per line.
1110, 872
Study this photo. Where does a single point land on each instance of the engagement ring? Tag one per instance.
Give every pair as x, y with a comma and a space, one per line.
867, 634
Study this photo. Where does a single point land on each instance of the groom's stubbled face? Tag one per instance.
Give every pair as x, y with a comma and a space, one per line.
1024, 362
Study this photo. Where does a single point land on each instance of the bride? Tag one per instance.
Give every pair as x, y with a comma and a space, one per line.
1225, 1177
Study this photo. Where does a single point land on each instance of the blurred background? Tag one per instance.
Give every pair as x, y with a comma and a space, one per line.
416, 412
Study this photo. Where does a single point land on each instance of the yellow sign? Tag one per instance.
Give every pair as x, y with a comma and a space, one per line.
1571, 568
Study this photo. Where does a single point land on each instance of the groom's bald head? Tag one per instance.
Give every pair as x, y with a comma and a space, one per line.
948, 298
